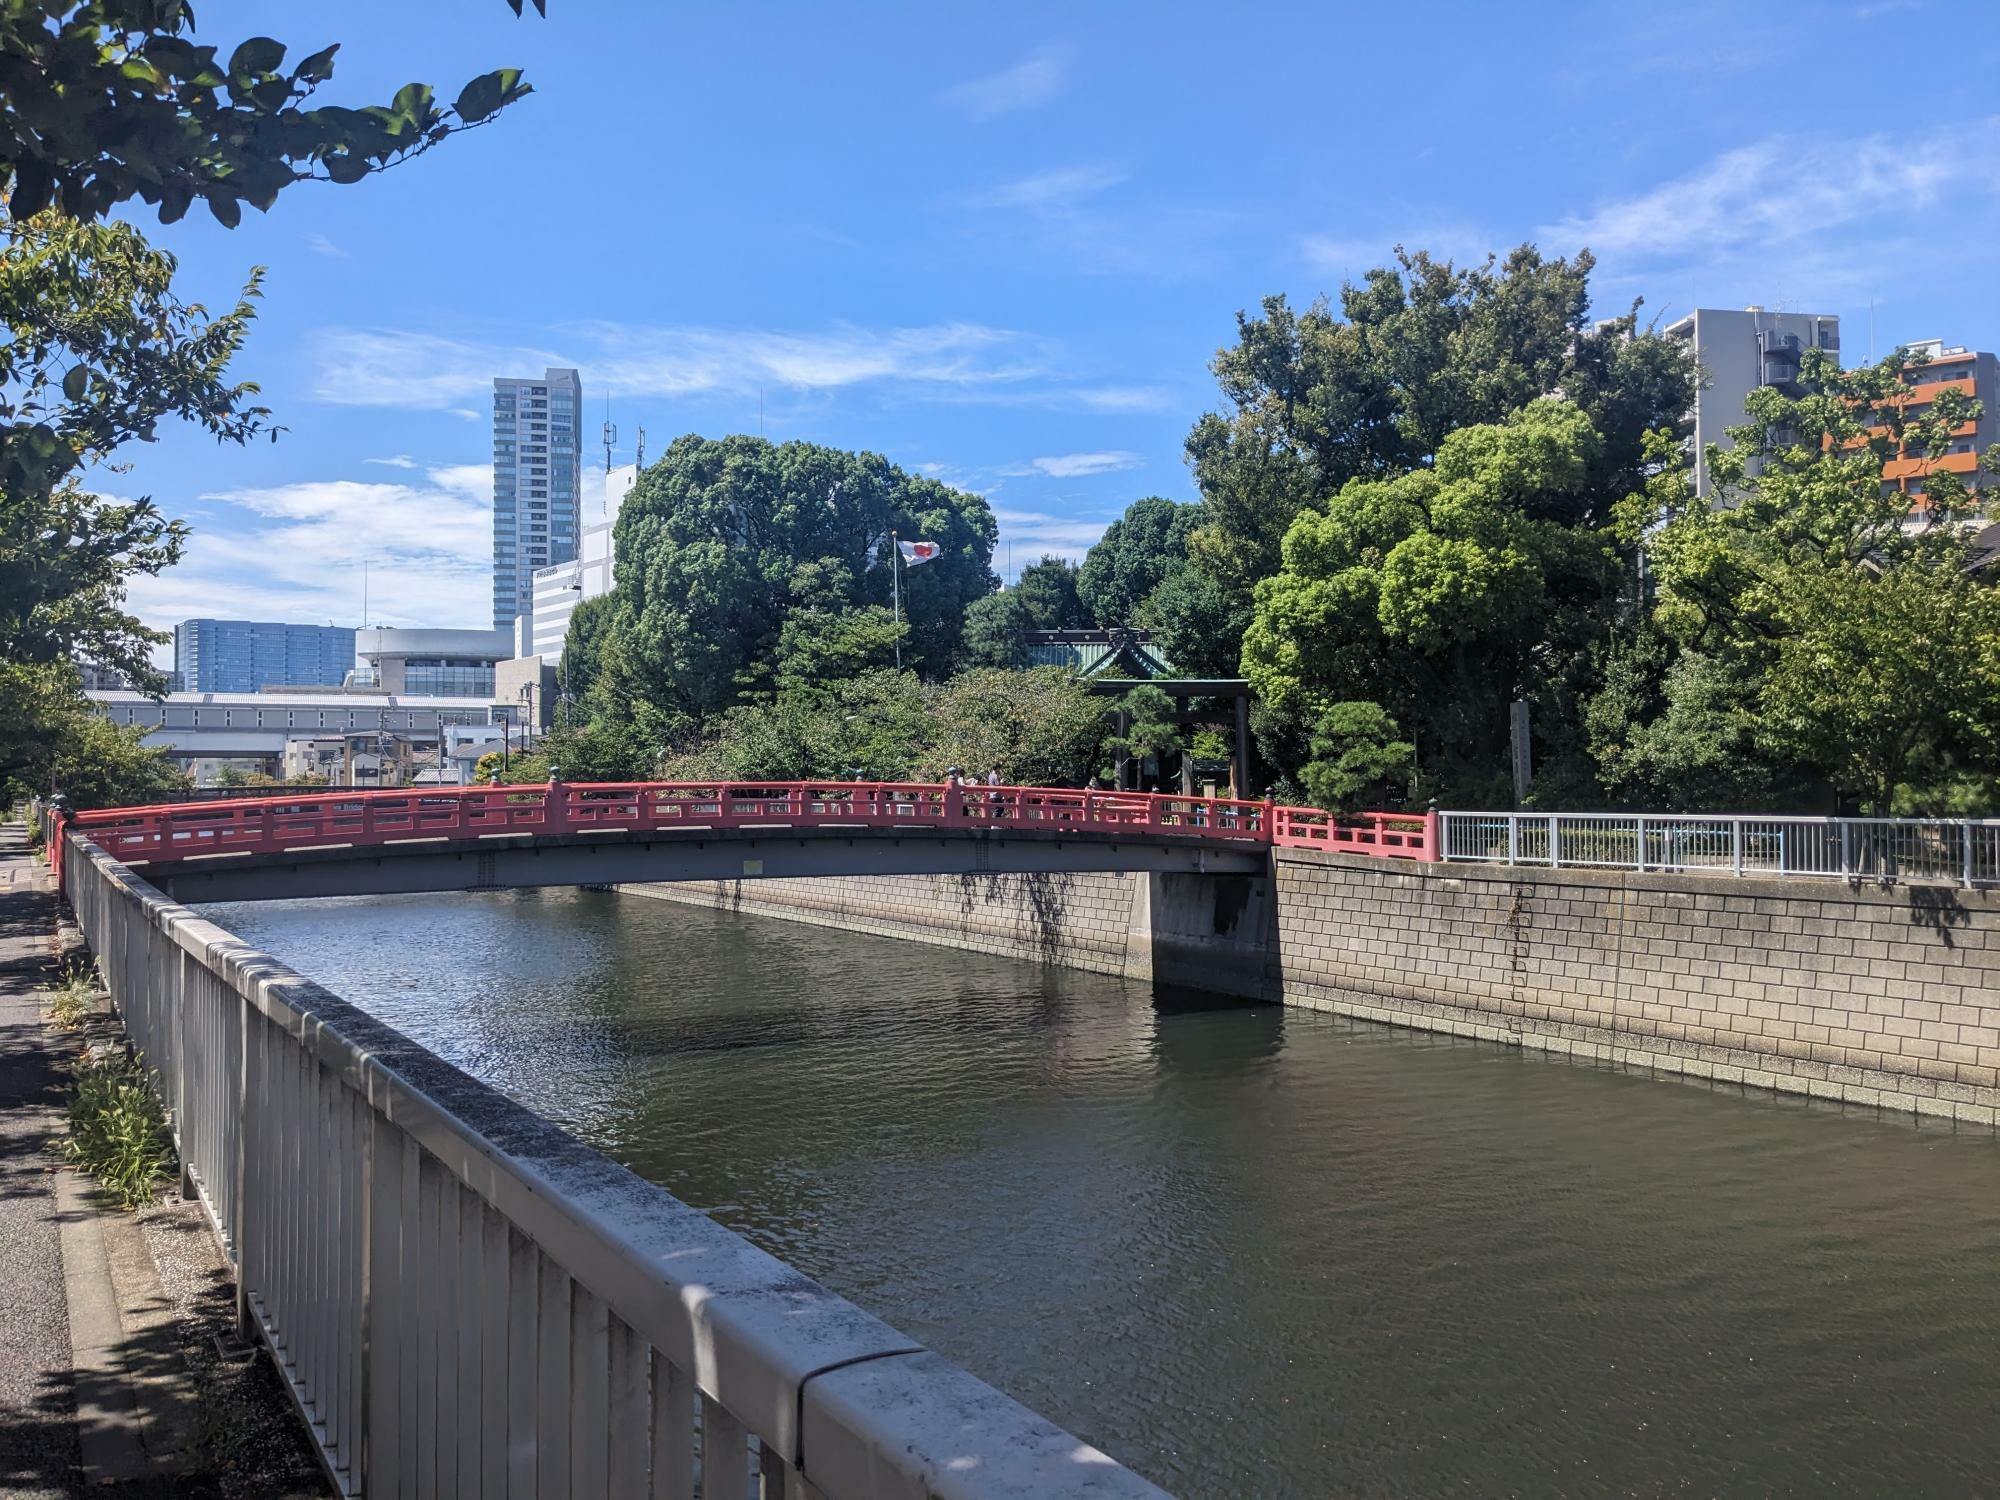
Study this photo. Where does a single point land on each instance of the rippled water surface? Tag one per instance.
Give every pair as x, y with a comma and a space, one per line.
1248, 1251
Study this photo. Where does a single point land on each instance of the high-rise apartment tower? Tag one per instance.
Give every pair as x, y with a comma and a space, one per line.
537, 474
1738, 352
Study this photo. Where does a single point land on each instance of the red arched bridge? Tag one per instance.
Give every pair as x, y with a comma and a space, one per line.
338, 843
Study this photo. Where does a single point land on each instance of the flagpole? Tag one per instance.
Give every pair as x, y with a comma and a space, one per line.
896, 592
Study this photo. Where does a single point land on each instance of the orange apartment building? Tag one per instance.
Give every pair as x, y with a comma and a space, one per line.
1978, 375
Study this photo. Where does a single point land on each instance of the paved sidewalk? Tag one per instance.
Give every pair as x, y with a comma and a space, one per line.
38, 1446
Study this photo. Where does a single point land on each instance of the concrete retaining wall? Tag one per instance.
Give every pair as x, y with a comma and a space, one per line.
1877, 996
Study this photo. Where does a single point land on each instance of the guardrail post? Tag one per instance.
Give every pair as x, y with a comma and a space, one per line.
1433, 823
1555, 842
1642, 843
1846, 848
1736, 846
1966, 829
1513, 838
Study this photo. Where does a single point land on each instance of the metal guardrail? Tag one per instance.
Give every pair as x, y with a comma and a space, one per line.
350, 819
1959, 851
464, 1299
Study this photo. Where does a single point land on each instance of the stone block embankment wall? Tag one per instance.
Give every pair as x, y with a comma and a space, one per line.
1202, 931
1888, 997
1078, 921
1876, 996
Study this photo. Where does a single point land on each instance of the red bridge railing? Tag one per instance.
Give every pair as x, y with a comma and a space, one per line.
337, 819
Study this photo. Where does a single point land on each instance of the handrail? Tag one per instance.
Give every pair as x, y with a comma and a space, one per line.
462, 1297
303, 820
1957, 851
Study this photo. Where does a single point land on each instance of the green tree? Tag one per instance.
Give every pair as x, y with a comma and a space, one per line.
1440, 595
1134, 557
584, 752
1315, 400
996, 631
99, 351
820, 647
711, 543
1041, 727
109, 100
1048, 592
50, 736
874, 723
1357, 757
1676, 730
1851, 607
1150, 730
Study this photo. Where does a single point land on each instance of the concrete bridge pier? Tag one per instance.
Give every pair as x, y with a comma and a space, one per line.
1203, 932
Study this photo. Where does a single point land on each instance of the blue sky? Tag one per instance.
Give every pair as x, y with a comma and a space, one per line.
1003, 250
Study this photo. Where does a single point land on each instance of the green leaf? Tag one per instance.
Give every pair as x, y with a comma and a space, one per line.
255, 57
76, 382
484, 94
317, 68
345, 167
412, 100
33, 187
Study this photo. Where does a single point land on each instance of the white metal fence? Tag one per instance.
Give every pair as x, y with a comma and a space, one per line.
467, 1301
1954, 850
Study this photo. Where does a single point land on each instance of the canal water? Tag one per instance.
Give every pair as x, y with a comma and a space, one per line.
1248, 1251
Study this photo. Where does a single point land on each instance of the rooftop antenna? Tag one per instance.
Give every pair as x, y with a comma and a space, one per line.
610, 437
639, 454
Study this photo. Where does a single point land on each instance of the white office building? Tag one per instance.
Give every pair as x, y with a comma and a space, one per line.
1739, 352
559, 589
537, 482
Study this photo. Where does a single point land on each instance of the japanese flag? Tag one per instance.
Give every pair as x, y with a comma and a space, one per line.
918, 552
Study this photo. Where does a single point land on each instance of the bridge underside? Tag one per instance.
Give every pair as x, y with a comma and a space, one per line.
614, 858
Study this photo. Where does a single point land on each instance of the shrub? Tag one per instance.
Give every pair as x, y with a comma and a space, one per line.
73, 995
117, 1129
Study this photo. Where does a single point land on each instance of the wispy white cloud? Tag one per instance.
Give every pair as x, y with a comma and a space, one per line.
1056, 191
390, 367
1783, 191
321, 245
1030, 535
1063, 213
1121, 398
397, 461
295, 552
1029, 84
1077, 465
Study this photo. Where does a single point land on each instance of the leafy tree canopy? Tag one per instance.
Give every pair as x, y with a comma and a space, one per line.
996, 631
98, 352
1048, 592
1358, 758
1315, 399
1134, 557
109, 100
1441, 594
51, 736
1847, 610
723, 540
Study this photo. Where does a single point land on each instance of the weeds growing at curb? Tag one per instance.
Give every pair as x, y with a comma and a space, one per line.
117, 1130
73, 995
